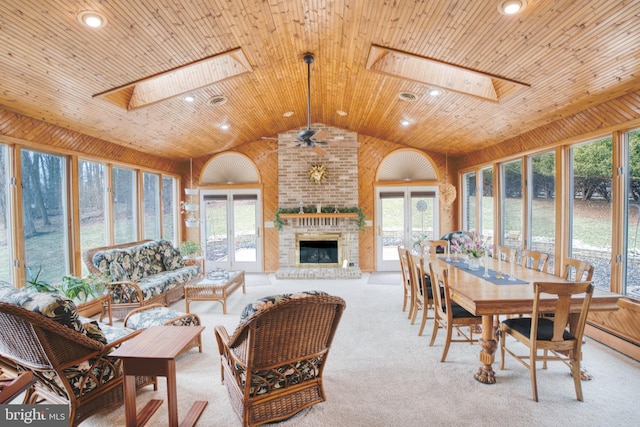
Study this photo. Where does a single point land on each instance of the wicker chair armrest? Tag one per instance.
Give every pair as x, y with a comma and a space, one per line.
222, 337
116, 343
128, 290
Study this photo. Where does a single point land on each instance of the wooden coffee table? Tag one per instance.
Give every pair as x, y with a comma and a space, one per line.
153, 353
215, 289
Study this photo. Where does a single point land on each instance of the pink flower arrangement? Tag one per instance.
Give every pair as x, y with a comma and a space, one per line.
473, 246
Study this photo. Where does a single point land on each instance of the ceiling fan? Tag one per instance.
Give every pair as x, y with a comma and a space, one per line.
309, 137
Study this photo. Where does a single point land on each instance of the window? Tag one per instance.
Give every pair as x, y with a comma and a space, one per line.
511, 204
169, 186
44, 215
469, 201
92, 198
590, 207
5, 218
631, 285
151, 205
541, 195
487, 203
124, 205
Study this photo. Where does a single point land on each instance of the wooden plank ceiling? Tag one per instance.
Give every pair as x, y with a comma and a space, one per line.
554, 59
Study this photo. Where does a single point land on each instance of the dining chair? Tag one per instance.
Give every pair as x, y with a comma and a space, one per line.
434, 247
534, 260
448, 314
577, 270
550, 334
505, 253
403, 255
422, 288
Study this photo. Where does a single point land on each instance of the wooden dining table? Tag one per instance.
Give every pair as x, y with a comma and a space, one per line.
482, 297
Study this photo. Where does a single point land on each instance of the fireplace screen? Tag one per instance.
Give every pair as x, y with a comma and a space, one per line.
318, 250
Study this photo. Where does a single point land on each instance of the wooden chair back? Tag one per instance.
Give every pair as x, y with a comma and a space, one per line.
505, 253
403, 256
577, 270
535, 260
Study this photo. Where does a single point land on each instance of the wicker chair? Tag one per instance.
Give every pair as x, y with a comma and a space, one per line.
70, 367
273, 363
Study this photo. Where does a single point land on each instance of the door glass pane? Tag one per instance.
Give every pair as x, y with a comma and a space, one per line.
124, 205
632, 282
44, 215
487, 203
422, 218
542, 195
169, 209
392, 227
511, 204
244, 211
151, 205
5, 226
469, 201
91, 193
591, 207
216, 228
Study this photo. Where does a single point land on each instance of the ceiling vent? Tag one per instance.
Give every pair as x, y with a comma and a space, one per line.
408, 96
217, 100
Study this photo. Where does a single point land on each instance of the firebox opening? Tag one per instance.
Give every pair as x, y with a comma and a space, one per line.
318, 250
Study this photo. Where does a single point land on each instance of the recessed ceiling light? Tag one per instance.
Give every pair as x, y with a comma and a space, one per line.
288, 113
224, 126
435, 91
189, 98
92, 19
341, 113
404, 122
511, 7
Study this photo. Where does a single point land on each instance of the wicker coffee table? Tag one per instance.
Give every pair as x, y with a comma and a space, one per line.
212, 289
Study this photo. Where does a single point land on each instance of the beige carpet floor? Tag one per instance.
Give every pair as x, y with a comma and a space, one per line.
381, 373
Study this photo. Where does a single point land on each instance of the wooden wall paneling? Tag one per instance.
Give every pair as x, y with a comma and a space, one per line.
25, 130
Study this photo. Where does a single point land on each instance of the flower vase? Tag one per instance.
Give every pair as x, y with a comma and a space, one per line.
474, 263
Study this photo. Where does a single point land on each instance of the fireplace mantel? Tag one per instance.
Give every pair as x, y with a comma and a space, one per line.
324, 219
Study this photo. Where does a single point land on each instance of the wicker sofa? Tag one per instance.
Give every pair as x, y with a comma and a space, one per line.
42, 333
143, 273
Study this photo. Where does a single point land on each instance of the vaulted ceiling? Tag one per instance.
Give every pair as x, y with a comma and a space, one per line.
242, 61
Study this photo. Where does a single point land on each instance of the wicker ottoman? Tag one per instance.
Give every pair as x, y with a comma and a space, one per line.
159, 315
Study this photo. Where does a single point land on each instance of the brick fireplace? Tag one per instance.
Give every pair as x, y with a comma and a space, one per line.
339, 189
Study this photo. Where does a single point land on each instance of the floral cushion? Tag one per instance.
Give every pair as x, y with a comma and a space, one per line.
159, 316
55, 307
269, 301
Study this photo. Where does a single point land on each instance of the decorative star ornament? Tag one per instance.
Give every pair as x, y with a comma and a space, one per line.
317, 173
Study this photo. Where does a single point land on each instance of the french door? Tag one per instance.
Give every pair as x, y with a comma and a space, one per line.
404, 217
231, 230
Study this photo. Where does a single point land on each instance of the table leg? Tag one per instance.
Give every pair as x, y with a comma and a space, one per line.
489, 344
130, 400
172, 394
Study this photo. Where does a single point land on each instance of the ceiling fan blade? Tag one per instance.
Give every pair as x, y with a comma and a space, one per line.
319, 151
320, 135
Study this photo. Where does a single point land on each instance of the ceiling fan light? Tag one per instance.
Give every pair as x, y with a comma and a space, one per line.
511, 7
